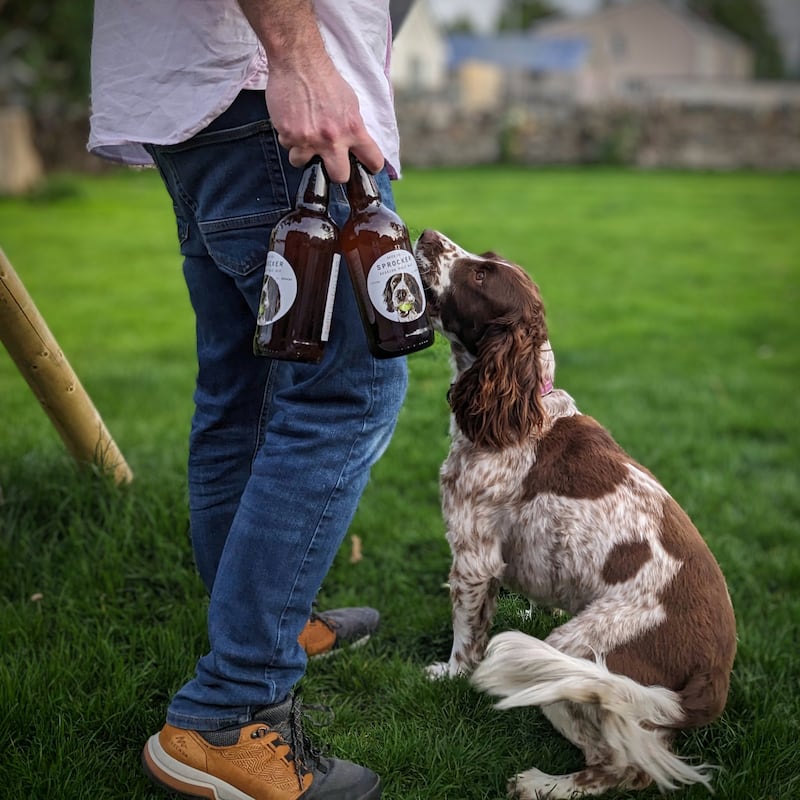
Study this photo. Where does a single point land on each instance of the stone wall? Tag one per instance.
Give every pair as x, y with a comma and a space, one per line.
648, 131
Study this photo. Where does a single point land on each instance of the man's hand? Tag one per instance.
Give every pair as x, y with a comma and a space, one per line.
313, 109
319, 115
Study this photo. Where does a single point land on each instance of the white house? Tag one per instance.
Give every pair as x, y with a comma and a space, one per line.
419, 54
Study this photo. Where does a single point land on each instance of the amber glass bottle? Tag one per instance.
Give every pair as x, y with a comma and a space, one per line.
377, 249
294, 314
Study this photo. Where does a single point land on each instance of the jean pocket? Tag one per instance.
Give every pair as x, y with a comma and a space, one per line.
239, 245
234, 183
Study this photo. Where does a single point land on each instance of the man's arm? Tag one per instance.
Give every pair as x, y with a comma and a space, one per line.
313, 108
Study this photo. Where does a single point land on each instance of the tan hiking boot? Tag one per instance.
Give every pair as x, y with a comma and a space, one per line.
329, 631
255, 767
268, 758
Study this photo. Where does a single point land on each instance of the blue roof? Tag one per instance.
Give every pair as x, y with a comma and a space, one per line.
519, 51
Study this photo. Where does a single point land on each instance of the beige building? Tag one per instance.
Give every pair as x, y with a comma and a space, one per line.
646, 41
480, 86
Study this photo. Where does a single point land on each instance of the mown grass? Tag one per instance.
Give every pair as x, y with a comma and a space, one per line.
672, 302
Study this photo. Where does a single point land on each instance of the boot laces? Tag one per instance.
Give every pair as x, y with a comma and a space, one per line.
316, 617
299, 748
307, 754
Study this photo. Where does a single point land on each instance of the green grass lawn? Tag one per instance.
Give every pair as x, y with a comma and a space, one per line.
673, 308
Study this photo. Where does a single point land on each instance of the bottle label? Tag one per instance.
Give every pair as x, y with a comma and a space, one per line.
395, 288
326, 322
279, 291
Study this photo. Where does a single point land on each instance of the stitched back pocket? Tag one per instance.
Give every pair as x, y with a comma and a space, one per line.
234, 184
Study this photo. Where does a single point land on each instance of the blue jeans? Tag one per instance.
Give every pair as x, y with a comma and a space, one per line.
279, 452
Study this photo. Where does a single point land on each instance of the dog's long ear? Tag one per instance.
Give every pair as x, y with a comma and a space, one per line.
497, 401
388, 296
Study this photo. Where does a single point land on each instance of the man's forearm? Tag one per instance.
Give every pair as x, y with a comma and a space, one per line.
312, 107
287, 29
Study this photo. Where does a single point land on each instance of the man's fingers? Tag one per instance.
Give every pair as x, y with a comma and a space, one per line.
337, 161
337, 165
300, 156
337, 158
370, 155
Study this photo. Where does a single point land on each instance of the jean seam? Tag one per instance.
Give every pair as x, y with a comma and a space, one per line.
256, 128
266, 400
337, 487
241, 222
171, 179
271, 155
177, 183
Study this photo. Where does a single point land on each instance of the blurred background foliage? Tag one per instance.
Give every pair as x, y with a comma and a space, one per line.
44, 50
746, 19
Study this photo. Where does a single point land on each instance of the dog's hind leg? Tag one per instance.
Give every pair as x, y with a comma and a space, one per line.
593, 780
580, 725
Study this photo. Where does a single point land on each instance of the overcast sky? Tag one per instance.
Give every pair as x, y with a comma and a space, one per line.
483, 13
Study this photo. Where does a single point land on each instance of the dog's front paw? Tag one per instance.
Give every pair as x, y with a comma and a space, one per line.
437, 671
443, 669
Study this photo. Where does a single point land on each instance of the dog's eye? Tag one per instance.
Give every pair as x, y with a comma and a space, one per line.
480, 274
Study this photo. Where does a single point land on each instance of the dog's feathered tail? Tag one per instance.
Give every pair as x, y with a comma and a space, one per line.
527, 671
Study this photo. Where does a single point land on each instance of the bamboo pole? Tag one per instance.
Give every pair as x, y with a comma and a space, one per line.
38, 357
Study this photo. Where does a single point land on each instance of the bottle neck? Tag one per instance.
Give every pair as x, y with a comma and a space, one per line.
314, 189
362, 190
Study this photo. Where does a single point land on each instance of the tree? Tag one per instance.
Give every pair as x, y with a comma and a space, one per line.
521, 15
44, 82
462, 24
747, 19
45, 51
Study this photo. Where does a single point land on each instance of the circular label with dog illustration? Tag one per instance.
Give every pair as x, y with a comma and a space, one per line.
395, 288
279, 290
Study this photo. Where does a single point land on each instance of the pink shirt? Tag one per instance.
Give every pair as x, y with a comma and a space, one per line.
164, 69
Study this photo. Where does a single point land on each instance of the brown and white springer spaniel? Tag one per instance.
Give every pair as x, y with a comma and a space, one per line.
538, 497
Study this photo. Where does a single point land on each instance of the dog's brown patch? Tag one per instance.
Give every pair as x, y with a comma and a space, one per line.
665, 656
576, 458
709, 614
625, 560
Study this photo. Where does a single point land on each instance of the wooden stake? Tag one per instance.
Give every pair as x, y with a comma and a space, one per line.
38, 357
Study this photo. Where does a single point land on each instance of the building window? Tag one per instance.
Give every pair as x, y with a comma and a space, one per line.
618, 45
416, 74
